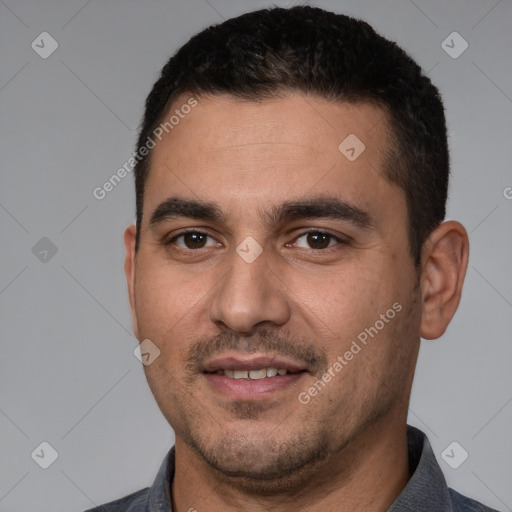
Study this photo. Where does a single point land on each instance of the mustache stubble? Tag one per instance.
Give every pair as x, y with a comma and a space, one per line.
266, 341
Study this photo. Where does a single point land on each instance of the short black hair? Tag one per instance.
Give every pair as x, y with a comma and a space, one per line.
269, 53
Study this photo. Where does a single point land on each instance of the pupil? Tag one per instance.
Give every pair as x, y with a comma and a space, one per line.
194, 240
318, 240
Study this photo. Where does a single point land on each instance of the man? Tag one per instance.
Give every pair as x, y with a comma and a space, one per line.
289, 253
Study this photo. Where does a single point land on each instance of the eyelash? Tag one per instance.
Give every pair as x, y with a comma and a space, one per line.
186, 231
339, 240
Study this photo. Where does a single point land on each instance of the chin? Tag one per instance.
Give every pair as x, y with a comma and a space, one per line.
263, 460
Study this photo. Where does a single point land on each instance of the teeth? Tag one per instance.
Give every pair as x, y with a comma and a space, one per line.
271, 372
258, 374
252, 374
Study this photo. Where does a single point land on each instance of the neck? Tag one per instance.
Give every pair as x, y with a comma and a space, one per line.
366, 475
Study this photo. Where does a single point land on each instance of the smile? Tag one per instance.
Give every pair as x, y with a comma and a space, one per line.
255, 374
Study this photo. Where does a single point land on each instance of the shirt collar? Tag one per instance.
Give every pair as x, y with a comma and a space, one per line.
426, 490
159, 499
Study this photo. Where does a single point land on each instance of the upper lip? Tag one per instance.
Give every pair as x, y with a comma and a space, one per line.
251, 362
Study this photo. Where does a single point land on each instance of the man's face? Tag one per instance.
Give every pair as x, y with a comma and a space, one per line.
264, 247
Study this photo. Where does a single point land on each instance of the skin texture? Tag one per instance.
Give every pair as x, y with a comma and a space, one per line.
303, 299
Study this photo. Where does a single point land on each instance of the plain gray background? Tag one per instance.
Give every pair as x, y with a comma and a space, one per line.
68, 375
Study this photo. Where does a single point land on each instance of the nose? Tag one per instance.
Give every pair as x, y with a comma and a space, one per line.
251, 295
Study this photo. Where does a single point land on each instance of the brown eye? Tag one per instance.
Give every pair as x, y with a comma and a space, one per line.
318, 240
193, 240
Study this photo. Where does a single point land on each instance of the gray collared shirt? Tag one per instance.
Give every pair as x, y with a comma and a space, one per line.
426, 490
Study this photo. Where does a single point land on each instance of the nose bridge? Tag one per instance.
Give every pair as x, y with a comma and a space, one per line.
250, 294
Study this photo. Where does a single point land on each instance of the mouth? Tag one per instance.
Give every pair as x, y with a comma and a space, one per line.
249, 377
258, 374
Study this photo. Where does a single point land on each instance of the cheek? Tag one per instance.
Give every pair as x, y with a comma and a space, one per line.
362, 315
340, 303
168, 305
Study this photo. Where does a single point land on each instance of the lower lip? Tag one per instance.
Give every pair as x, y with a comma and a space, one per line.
247, 389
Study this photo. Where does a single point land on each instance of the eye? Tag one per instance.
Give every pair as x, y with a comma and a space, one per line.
193, 240
316, 240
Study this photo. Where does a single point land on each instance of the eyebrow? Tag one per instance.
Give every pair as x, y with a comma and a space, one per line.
320, 207
314, 208
174, 207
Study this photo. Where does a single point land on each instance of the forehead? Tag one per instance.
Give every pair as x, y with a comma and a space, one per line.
230, 149
226, 121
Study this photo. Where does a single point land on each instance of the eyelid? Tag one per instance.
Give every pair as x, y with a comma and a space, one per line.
169, 239
340, 238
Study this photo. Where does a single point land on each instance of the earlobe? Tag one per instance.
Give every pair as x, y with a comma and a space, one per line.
444, 263
130, 236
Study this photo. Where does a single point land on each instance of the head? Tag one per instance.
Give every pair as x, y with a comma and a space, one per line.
289, 216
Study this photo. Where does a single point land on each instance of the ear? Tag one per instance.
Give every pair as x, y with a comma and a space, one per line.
444, 261
130, 236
